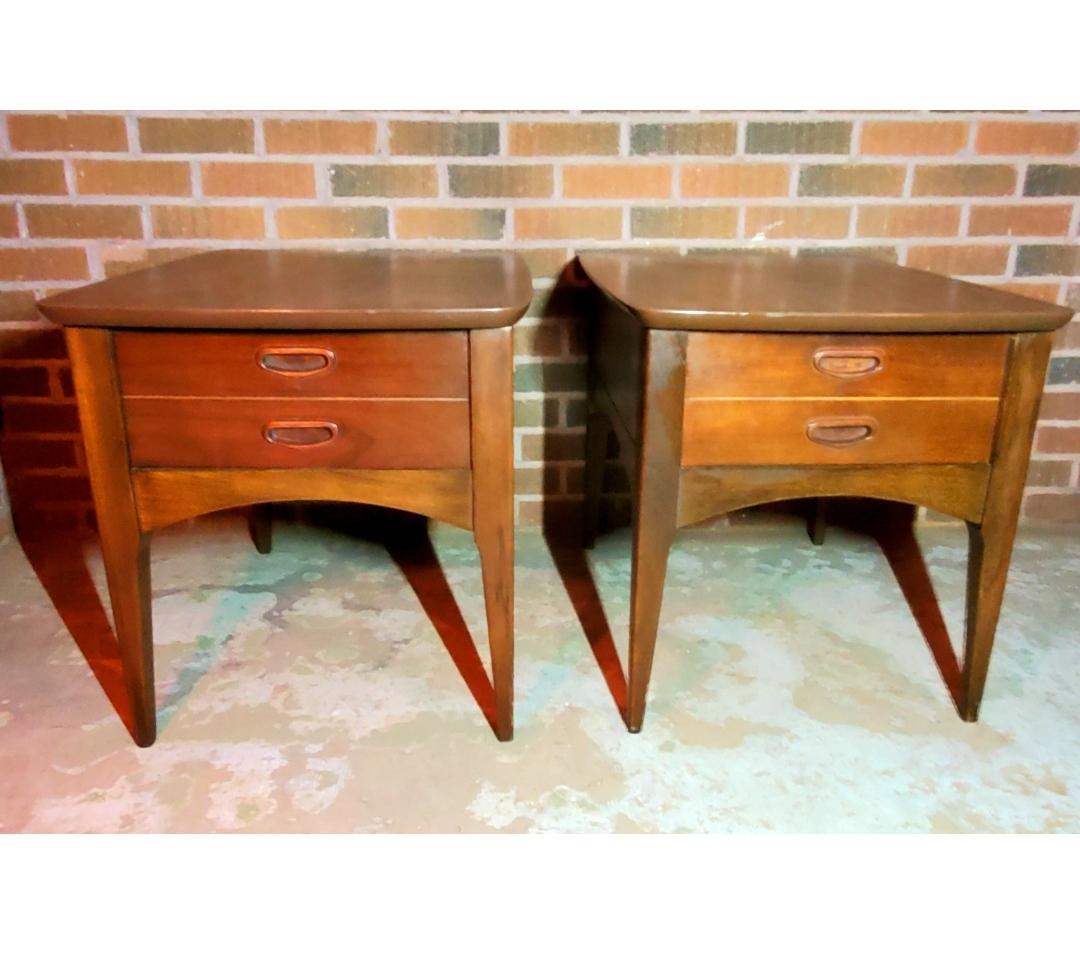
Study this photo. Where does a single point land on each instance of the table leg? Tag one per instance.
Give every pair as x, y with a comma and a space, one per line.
655, 505
261, 528
491, 391
124, 546
817, 523
991, 540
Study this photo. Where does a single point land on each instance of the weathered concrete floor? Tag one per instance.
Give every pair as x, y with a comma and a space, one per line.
309, 690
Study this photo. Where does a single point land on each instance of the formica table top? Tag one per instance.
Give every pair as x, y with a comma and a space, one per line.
307, 289
756, 291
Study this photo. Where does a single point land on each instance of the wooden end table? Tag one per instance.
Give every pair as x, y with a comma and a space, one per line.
244, 377
737, 379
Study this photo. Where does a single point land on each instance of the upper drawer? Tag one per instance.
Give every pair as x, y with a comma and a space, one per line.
798, 365
377, 365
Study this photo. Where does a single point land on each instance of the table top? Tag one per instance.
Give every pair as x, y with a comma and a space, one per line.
307, 289
757, 291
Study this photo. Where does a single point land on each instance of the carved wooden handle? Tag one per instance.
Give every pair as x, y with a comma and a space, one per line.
300, 434
848, 362
295, 361
840, 432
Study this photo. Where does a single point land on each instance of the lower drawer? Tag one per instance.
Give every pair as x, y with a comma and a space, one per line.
841, 432
289, 433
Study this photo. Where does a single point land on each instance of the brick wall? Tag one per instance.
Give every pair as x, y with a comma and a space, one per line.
991, 197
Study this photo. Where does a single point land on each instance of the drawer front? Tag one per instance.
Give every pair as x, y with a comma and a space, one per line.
841, 432
374, 365
292, 433
839, 366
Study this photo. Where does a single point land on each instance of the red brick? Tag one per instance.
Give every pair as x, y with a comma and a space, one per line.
1068, 336
196, 135
43, 264
802, 222
40, 418
38, 521
235, 223
734, 180
31, 344
16, 306
501, 180
1025, 220
135, 178
976, 259
570, 223
1060, 406
553, 446
538, 340
24, 382
617, 180
1058, 440
908, 220
963, 180
684, 138
127, 258
1040, 290
449, 222
258, 180
442, 138
63, 132
83, 220
1048, 473
912, 137
1053, 506
563, 139
1024, 137
331, 222
545, 262
53, 486
9, 221
851, 180
385, 180
319, 136
684, 222
26, 454
531, 512
32, 176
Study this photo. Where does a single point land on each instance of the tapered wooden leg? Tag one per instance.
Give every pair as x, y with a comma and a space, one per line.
596, 436
260, 527
991, 540
654, 531
124, 546
655, 505
127, 569
816, 525
491, 391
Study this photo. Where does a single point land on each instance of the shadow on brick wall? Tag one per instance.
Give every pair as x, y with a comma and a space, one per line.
49, 495
40, 442
570, 305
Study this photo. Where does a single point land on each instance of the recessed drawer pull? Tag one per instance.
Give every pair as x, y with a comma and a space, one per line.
300, 434
295, 361
848, 362
840, 432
